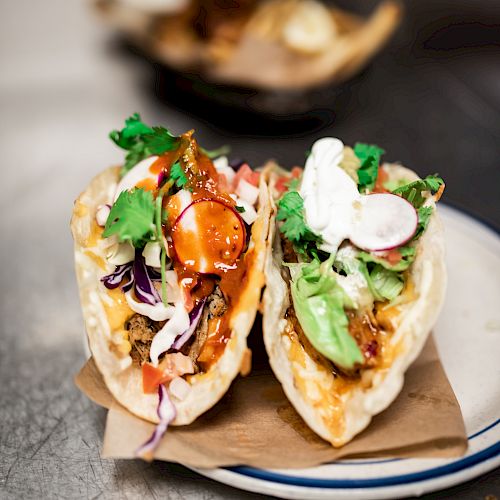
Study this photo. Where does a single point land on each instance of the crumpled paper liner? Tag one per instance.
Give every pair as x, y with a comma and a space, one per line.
254, 424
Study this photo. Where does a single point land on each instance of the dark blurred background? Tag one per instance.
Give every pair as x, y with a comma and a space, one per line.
431, 98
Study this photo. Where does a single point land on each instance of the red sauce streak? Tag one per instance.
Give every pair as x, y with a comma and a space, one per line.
204, 184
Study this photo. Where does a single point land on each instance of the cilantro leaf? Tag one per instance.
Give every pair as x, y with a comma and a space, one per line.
128, 136
369, 155
178, 175
424, 215
159, 141
239, 209
413, 192
291, 210
293, 184
142, 141
132, 217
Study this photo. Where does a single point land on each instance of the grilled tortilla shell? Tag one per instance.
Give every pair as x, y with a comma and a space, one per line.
334, 406
105, 311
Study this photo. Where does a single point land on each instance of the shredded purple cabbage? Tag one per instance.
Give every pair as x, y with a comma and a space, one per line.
114, 279
194, 319
143, 286
166, 413
161, 177
137, 275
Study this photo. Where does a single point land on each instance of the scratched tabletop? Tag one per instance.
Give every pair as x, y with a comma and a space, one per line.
65, 82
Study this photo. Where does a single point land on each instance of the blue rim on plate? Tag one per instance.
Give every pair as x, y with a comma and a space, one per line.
443, 470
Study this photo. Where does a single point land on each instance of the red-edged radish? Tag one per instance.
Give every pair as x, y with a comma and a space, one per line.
208, 236
384, 221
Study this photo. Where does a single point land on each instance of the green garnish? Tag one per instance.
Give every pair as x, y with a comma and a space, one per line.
293, 184
132, 217
291, 210
384, 284
424, 215
319, 303
142, 141
413, 192
369, 155
239, 209
178, 175
163, 255
407, 257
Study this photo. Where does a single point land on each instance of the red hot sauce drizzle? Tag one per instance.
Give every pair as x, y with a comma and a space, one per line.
213, 227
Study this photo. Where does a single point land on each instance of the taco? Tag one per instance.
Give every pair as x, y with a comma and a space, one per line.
355, 281
169, 253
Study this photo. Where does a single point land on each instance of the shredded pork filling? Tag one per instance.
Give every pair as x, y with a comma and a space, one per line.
363, 328
141, 331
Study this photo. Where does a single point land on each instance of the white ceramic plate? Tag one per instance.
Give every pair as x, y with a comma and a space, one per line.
468, 338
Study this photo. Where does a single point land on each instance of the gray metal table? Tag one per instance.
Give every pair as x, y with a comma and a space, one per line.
62, 87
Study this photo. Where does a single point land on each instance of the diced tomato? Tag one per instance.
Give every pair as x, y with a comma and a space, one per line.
245, 172
173, 365
151, 378
281, 183
393, 256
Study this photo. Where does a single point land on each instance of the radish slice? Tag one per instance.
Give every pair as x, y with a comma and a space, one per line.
385, 221
208, 236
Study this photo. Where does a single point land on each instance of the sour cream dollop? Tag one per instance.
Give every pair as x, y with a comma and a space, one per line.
331, 197
336, 210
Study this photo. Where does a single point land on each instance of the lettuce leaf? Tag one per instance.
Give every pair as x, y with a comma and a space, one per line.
319, 305
407, 258
384, 284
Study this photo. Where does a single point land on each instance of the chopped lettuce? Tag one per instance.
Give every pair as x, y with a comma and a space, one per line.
319, 305
407, 257
384, 284
383, 280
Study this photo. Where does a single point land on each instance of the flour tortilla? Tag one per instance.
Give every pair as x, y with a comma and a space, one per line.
124, 379
338, 412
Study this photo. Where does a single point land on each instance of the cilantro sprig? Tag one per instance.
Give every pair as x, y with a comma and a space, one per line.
141, 141
414, 191
178, 176
294, 228
369, 155
132, 217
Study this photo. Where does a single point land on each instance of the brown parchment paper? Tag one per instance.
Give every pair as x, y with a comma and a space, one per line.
254, 424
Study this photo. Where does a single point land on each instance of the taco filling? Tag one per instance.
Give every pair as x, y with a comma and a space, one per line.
169, 254
349, 233
177, 235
